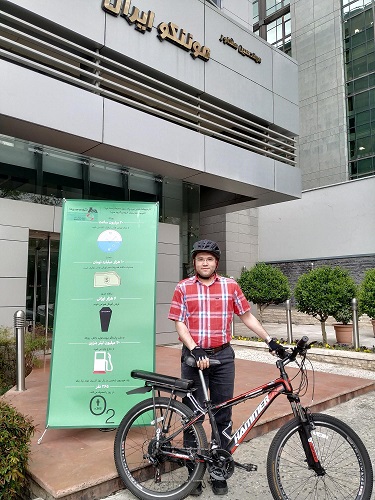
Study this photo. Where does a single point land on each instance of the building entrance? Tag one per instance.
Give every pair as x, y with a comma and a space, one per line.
41, 279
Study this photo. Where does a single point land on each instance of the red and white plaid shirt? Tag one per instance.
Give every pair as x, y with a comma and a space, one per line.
207, 311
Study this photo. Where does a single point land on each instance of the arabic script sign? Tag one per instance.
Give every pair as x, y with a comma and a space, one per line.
144, 21
185, 41
241, 50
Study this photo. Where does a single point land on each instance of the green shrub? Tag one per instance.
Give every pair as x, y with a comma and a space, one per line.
264, 285
366, 296
15, 435
326, 291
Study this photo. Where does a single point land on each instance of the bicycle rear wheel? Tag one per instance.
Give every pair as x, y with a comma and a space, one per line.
146, 456
348, 470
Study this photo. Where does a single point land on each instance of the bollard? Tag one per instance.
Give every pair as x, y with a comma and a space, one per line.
19, 331
289, 321
355, 323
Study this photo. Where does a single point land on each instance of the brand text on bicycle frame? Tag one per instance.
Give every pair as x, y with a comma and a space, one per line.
245, 426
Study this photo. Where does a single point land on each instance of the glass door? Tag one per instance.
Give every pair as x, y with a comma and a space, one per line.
41, 280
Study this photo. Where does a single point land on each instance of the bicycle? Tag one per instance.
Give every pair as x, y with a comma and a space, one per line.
311, 456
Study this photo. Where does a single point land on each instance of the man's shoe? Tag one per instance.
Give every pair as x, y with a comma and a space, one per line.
197, 491
219, 487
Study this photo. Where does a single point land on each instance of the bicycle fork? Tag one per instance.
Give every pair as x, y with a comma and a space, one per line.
305, 434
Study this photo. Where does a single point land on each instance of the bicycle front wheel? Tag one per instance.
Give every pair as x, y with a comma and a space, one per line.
149, 460
344, 458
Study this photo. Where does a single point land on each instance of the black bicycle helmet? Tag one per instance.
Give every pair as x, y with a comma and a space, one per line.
206, 246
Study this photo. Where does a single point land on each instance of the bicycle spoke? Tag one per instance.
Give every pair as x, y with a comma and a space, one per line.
347, 467
150, 447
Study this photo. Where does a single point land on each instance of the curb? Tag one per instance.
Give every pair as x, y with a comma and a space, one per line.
363, 360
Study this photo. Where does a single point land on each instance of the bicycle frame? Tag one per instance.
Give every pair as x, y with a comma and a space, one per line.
272, 390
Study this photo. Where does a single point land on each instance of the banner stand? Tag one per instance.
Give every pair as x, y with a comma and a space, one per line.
104, 322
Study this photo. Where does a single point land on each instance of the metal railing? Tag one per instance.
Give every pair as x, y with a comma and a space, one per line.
354, 304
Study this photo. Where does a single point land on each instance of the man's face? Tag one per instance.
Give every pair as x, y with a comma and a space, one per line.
205, 264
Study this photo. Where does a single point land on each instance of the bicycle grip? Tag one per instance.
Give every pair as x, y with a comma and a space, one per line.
302, 343
191, 361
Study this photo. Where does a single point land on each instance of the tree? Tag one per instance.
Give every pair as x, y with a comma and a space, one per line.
264, 285
366, 299
326, 291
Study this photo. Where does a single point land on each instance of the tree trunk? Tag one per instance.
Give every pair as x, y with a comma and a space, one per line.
260, 314
324, 333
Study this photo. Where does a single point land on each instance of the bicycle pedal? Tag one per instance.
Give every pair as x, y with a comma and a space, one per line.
247, 467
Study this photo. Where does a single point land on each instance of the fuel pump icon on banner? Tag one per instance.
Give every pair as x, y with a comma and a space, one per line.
102, 362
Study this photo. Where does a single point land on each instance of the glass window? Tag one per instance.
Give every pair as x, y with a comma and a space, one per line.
359, 66
275, 5
358, 38
62, 175
360, 84
361, 101
271, 32
365, 167
360, 78
107, 182
371, 61
16, 180
362, 118
364, 146
362, 131
276, 30
18, 168
255, 11
359, 51
216, 2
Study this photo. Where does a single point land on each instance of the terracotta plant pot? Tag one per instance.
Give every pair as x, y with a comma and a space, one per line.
373, 325
344, 333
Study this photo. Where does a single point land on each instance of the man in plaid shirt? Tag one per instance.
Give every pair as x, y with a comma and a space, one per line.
202, 308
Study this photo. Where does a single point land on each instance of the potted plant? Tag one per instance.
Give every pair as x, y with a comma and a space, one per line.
366, 296
344, 328
323, 292
264, 285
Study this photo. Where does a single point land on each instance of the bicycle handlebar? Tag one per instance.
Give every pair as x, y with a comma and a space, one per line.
302, 343
301, 347
191, 361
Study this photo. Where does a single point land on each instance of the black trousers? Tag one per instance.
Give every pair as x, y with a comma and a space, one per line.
220, 383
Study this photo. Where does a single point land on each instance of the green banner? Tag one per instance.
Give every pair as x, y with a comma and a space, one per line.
104, 324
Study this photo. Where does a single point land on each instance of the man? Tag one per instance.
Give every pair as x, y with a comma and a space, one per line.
202, 308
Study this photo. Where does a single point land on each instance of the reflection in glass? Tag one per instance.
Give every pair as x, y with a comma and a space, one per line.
358, 31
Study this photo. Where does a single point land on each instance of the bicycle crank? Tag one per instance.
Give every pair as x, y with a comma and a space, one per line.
221, 465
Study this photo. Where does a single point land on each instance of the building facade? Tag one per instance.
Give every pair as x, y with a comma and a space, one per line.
334, 221
139, 101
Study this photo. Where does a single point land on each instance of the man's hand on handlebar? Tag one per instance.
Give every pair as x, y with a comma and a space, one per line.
277, 349
201, 357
